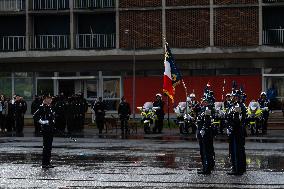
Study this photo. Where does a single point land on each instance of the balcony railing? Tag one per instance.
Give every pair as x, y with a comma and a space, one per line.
273, 37
49, 42
12, 5
95, 41
93, 4
12, 43
50, 4
273, 1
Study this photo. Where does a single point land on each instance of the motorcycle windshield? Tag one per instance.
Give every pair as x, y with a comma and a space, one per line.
148, 105
254, 106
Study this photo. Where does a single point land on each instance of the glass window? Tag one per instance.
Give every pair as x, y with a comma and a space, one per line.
45, 74
250, 71
24, 87
277, 83
273, 70
45, 86
92, 89
6, 86
111, 88
67, 74
23, 74
111, 104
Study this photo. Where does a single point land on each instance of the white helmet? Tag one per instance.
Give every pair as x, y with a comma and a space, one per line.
158, 94
192, 95
263, 93
228, 94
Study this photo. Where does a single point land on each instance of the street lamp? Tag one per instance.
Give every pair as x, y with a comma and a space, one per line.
133, 71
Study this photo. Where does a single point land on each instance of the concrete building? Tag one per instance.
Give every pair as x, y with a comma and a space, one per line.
96, 46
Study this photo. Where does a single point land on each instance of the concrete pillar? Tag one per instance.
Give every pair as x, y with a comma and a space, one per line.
164, 32
28, 25
211, 23
260, 22
117, 24
72, 25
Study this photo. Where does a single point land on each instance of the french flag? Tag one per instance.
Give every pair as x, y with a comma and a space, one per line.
172, 76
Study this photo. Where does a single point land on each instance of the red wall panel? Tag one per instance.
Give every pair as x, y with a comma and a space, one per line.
147, 87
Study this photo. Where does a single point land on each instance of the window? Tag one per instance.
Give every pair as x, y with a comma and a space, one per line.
45, 86
92, 89
24, 87
6, 84
111, 92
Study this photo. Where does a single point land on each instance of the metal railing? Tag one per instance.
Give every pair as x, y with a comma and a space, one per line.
12, 5
93, 4
95, 41
49, 42
273, 1
12, 43
50, 4
273, 37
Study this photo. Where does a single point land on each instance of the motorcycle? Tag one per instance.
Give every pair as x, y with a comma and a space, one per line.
182, 117
254, 117
148, 113
219, 118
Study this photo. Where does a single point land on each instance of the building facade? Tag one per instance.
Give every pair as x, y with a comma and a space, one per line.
99, 47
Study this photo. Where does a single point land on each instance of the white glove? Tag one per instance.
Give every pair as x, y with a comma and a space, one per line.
229, 132
202, 132
43, 122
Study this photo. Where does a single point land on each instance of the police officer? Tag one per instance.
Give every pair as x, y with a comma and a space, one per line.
34, 107
124, 113
83, 106
264, 105
99, 109
160, 114
60, 112
195, 105
70, 114
236, 133
20, 108
228, 101
205, 137
45, 116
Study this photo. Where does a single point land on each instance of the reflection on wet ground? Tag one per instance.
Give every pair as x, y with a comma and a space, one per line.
137, 161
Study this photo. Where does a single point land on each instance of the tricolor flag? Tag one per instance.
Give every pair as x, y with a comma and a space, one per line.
172, 76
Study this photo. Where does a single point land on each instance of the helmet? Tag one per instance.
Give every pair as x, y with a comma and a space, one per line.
158, 94
228, 95
192, 95
263, 94
237, 93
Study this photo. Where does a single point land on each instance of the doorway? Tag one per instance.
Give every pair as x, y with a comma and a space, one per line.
67, 87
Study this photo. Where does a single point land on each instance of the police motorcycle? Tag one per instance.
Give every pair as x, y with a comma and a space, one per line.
219, 116
254, 117
148, 113
185, 117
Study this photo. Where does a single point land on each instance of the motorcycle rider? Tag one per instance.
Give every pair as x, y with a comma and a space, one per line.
99, 109
160, 114
124, 112
228, 101
236, 133
264, 105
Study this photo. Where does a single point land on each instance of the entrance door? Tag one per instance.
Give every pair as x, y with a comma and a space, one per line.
67, 87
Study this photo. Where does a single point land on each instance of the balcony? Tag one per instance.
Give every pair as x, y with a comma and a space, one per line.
12, 5
49, 42
273, 37
93, 4
273, 1
12, 43
95, 41
50, 4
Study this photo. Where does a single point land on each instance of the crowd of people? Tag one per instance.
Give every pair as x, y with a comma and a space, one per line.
12, 113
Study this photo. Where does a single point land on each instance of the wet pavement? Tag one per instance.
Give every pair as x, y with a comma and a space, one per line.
167, 160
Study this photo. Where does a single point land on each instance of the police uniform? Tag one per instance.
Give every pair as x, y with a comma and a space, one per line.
264, 103
236, 133
205, 139
46, 117
34, 107
60, 112
99, 109
20, 108
124, 112
159, 122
